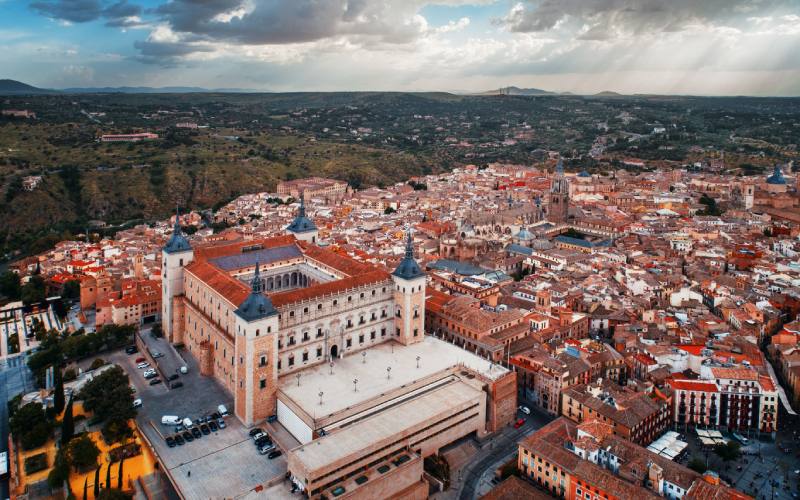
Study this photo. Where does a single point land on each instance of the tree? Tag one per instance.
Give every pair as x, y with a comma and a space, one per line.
697, 465
58, 394
29, 423
86, 488
156, 331
71, 290
60, 471
108, 476
82, 453
728, 451
34, 291
110, 397
10, 285
97, 363
67, 424
389, 210
97, 482
119, 473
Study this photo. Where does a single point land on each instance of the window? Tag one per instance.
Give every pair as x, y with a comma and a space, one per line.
263, 361
319, 352
398, 332
263, 383
291, 360
415, 332
372, 335
319, 332
319, 307
383, 332
305, 310
279, 364
291, 314
335, 302
305, 356
349, 342
361, 339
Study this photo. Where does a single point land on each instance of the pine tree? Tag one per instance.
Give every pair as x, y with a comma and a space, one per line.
67, 424
58, 395
119, 473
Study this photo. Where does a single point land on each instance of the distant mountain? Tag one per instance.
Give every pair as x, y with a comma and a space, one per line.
517, 91
8, 87
608, 93
148, 90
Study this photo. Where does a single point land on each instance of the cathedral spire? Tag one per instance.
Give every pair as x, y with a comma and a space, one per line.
408, 268
177, 242
257, 305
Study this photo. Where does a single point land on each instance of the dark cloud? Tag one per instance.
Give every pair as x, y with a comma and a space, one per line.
165, 53
118, 14
293, 21
610, 18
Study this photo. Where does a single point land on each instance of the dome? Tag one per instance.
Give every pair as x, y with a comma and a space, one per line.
524, 235
584, 173
177, 242
542, 244
776, 177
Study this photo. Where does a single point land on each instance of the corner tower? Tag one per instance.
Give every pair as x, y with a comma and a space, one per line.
409, 297
302, 227
176, 254
256, 373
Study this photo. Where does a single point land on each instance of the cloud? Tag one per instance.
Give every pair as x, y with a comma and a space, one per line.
608, 19
118, 14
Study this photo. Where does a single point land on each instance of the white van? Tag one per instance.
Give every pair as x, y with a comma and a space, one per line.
184, 370
170, 420
222, 410
187, 422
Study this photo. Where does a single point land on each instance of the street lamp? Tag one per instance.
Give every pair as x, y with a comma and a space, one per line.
320, 397
363, 357
298, 379
388, 372
331, 365
418, 358
355, 385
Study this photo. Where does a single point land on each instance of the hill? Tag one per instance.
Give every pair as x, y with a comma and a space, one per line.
147, 90
12, 87
517, 91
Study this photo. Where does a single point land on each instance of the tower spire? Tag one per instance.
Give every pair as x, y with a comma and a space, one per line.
255, 283
408, 267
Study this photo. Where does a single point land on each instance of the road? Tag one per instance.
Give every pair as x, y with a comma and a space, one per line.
496, 452
14, 379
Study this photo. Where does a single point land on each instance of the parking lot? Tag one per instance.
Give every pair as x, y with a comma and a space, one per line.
197, 466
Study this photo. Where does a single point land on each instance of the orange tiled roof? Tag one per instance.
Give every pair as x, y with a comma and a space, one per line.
331, 287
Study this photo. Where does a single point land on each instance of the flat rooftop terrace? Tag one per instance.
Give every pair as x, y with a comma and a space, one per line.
391, 423
434, 355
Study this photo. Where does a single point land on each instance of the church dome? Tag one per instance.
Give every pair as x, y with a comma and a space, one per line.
542, 244
776, 177
524, 235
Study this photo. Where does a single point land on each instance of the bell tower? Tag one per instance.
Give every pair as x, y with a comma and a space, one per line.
558, 207
302, 227
409, 297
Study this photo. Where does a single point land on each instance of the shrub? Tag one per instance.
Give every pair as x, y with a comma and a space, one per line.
35, 463
70, 374
82, 453
97, 363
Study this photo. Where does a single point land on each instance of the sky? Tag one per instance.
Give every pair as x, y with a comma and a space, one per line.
700, 47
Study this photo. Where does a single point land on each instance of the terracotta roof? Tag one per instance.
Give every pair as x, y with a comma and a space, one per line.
331, 287
515, 488
693, 385
219, 250
228, 287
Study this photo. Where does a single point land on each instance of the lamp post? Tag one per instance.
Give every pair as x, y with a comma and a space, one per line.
355, 385
298, 379
320, 397
388, 372
331, 365
418, 358
363, 357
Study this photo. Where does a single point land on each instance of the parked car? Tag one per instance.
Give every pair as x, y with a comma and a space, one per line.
149, 375
170, 420
258, 436
213, 426
263, 442
204, 429
155, 381
525, 410
272, 418
131, 349
184, 370
180, 428
188, 437
171, 441
143, 365
274, 454
172, 377
157, 354
137, 403
140, 359
519, 423
175, 385
221, 423
179, 440
266, 448
216, 416
222, 410
257, 430
196, 433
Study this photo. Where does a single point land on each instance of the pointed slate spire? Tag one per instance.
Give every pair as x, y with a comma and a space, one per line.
408, 268
177, 242
257, 305
301, 223
777, 176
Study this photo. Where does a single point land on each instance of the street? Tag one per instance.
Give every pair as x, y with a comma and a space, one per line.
477, 475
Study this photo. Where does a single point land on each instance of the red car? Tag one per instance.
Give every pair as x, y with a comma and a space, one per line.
140, 360
519, 423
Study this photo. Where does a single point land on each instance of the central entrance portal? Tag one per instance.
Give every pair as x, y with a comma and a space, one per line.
334, 352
